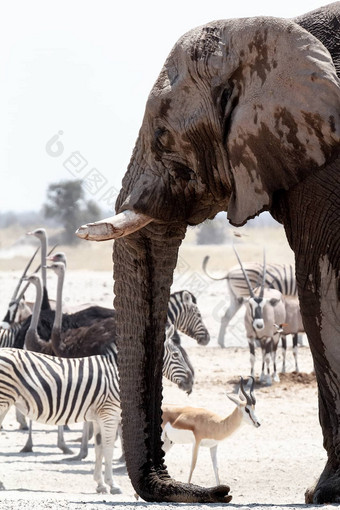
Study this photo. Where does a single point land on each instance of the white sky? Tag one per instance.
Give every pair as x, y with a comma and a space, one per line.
85, 68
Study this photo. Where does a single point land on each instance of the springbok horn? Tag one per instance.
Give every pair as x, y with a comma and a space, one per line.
264, 274
23, 275
27, 284
120, 225
251, 292
249, 400
252, 396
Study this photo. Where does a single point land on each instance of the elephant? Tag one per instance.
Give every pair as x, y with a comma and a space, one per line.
244, 117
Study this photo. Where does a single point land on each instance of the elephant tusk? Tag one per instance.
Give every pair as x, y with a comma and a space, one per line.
114, 227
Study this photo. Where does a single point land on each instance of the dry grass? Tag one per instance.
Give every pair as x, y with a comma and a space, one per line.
16, 248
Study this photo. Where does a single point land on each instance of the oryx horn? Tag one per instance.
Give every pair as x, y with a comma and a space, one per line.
251, 292
264, 274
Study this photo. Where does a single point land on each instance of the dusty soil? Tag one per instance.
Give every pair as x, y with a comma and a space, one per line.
269, 466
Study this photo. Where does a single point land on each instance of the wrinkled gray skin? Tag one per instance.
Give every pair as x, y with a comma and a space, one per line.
244, 117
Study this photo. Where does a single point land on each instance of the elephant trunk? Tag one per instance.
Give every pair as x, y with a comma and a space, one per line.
143, 270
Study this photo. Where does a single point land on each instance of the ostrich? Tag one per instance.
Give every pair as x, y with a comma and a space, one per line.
33, 342
84, 340
40, 233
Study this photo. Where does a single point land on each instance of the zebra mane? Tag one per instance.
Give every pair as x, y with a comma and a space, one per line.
181, 292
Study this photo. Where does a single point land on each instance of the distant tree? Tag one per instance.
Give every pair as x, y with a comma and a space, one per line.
8, 219
66, 203
212, 232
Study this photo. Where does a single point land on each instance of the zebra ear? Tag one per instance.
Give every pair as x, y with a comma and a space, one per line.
170, 330
187, 299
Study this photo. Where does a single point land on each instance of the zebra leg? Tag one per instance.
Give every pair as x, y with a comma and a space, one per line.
3, 411
84, 447
28, 448
295, 351
284, 351
213, 455
98, 446
21, 419
120, 435
61, 440
234, 306
109, 433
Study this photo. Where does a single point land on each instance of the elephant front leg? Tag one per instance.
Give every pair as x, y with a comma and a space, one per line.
326, 354
310, 213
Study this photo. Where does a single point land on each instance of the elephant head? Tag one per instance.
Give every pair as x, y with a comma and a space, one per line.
242, 111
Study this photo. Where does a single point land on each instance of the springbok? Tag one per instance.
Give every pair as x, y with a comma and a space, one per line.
205, 428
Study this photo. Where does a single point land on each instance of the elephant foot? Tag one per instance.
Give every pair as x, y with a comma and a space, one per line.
168, 490
326, 491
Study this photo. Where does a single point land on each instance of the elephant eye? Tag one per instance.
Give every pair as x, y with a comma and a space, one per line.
163, 140
182, 172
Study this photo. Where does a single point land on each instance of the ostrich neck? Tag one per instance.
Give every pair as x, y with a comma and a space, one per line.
58, 309
36, 307
43, 260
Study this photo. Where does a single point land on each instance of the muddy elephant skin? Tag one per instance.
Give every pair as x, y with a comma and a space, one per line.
244, 117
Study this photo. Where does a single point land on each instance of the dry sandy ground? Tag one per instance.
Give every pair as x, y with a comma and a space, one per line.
266, 467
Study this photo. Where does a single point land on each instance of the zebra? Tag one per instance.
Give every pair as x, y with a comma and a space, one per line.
278, 276
176, 368
8, 339
61, 391
8, 335
184, 314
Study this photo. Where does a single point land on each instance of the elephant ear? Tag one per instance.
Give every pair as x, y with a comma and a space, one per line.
282, 120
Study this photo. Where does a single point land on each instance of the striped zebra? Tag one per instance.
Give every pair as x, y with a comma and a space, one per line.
8, 335
184, 314
278, 276
62, 391
176, 367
